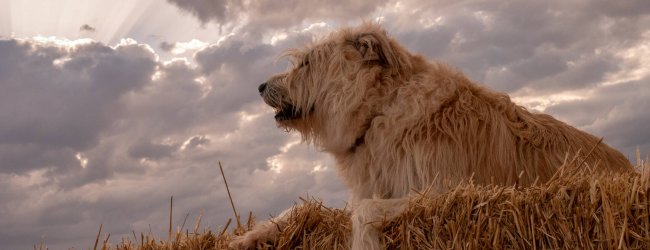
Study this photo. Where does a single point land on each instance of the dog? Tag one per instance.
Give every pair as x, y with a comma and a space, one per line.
395, 122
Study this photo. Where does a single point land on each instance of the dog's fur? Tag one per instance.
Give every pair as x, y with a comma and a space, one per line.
395, 122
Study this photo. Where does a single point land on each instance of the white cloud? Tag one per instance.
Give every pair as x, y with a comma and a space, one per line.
180, 48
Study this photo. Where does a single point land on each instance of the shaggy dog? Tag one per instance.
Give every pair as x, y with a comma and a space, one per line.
395, 122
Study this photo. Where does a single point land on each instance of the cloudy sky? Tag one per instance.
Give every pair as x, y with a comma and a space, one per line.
108, 108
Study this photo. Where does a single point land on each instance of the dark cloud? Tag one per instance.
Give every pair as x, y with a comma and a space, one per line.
166, 46
616, 112
87, 28
55, 102
208, 10
233, 53
20, 158
546, 46
148, 150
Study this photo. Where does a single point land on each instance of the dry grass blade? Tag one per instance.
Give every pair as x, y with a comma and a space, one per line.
198, 223
171, 208
230, 196
225, 228
97, 238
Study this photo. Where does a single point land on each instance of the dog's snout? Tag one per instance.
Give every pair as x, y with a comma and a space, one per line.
262, 87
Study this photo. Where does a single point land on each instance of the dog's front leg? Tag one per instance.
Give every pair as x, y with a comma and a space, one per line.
367, 216
266, 231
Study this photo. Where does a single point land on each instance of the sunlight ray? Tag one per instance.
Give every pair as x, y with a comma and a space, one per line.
112, 20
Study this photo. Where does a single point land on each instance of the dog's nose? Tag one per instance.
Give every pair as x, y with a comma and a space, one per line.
262, 87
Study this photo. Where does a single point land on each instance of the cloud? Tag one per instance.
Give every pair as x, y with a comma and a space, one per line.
87, 28
166, 46
616, 112
56, 101
148, 150
196, 141
259, 18
537, 46
179, 48
208, 10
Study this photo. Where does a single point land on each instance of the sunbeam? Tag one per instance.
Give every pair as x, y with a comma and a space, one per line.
105, 21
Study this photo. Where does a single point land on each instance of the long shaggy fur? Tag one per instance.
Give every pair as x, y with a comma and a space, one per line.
395, 123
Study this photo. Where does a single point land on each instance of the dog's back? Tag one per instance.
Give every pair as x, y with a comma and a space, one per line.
507, 144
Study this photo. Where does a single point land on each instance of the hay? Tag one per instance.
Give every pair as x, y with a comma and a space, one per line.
574, 210
566, 213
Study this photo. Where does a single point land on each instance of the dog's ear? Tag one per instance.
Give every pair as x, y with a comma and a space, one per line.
375, 48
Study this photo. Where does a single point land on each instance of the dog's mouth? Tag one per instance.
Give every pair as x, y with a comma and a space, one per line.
277, 98
287, 113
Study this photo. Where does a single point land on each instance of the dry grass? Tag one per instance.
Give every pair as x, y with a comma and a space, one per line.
569, 212
574, 210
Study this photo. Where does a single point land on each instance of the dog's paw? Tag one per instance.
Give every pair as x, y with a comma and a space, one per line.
243, 242
266, 232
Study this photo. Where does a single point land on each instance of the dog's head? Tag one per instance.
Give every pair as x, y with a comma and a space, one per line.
337, 86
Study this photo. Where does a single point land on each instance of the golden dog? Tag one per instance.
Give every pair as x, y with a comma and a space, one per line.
396, 122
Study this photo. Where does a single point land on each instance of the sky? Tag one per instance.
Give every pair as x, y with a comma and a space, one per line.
108, 108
